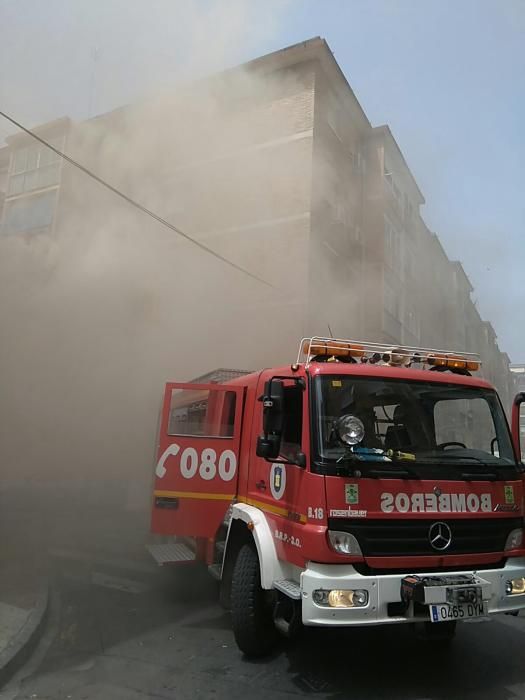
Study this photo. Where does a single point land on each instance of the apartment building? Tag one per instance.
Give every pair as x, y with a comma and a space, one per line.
285, 160
518, 376
4, 172
275, 166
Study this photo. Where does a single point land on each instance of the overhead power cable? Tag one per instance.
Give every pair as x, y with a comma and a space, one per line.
133, 202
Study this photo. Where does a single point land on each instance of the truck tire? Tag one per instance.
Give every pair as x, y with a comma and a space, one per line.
251, 606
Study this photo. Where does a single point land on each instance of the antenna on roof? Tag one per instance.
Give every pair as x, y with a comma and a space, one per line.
330, 330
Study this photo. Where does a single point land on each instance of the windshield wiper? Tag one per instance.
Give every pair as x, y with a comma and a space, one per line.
480, 476
488, 475
392, 473
369, 456
352, 464
355, 467
457, 458
364, 454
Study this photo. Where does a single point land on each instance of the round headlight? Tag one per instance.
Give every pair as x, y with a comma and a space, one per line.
350, 430
360, 598
320, 597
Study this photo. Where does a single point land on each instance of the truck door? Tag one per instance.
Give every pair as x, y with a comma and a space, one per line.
280, 488
197, 460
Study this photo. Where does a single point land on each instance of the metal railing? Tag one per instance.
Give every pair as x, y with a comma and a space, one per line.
308, 346
220, 376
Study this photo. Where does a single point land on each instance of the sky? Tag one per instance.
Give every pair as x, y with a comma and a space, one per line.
447, 76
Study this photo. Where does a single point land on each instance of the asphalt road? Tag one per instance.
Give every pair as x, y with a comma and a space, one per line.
128, 632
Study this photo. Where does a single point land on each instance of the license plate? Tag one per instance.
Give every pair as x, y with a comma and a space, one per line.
461, 611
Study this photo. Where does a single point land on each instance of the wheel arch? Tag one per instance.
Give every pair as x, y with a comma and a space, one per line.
249, 524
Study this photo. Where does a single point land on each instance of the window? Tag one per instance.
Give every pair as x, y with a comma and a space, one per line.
393, 245
414, 417
410, 263
358, 162
392, 301
16, 184
35, 167
387, 171
408, 207
466, 422
30, 214
390, 180
20, 161
397, 192
291, 441
202, 413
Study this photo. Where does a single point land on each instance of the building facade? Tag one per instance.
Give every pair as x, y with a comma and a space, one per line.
31, 181
518, 374
273, 165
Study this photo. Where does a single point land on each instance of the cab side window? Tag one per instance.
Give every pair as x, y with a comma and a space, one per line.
291, 442
202, 413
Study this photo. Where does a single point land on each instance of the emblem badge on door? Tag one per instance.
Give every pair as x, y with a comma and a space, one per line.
277, 480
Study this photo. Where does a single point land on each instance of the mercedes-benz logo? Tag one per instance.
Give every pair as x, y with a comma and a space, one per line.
440, 536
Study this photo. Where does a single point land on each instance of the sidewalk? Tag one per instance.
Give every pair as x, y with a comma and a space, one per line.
33, 530
24, 599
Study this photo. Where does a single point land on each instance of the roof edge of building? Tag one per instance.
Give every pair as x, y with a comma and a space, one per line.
314, 48
459, 266
54, 124
387, 131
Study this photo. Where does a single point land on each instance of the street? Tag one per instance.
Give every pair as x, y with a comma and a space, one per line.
261, 306
123, 630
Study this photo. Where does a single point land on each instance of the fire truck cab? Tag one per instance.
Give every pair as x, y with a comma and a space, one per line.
361, 485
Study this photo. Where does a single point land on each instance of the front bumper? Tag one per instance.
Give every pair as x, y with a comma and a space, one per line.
386, 589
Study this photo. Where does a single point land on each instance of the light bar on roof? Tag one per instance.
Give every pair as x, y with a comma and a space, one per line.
313, 346
453, 361
379, 353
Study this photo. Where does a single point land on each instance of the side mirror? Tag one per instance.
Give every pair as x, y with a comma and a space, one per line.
273, 405
520, 399
300, 459
268, 446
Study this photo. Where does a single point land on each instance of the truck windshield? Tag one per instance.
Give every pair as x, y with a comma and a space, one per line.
413, 424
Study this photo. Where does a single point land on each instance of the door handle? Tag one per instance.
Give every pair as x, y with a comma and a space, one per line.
261, 485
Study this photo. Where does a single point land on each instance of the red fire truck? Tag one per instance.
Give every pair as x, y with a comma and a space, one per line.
361, 485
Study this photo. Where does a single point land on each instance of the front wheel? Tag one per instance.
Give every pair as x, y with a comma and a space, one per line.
251, 606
